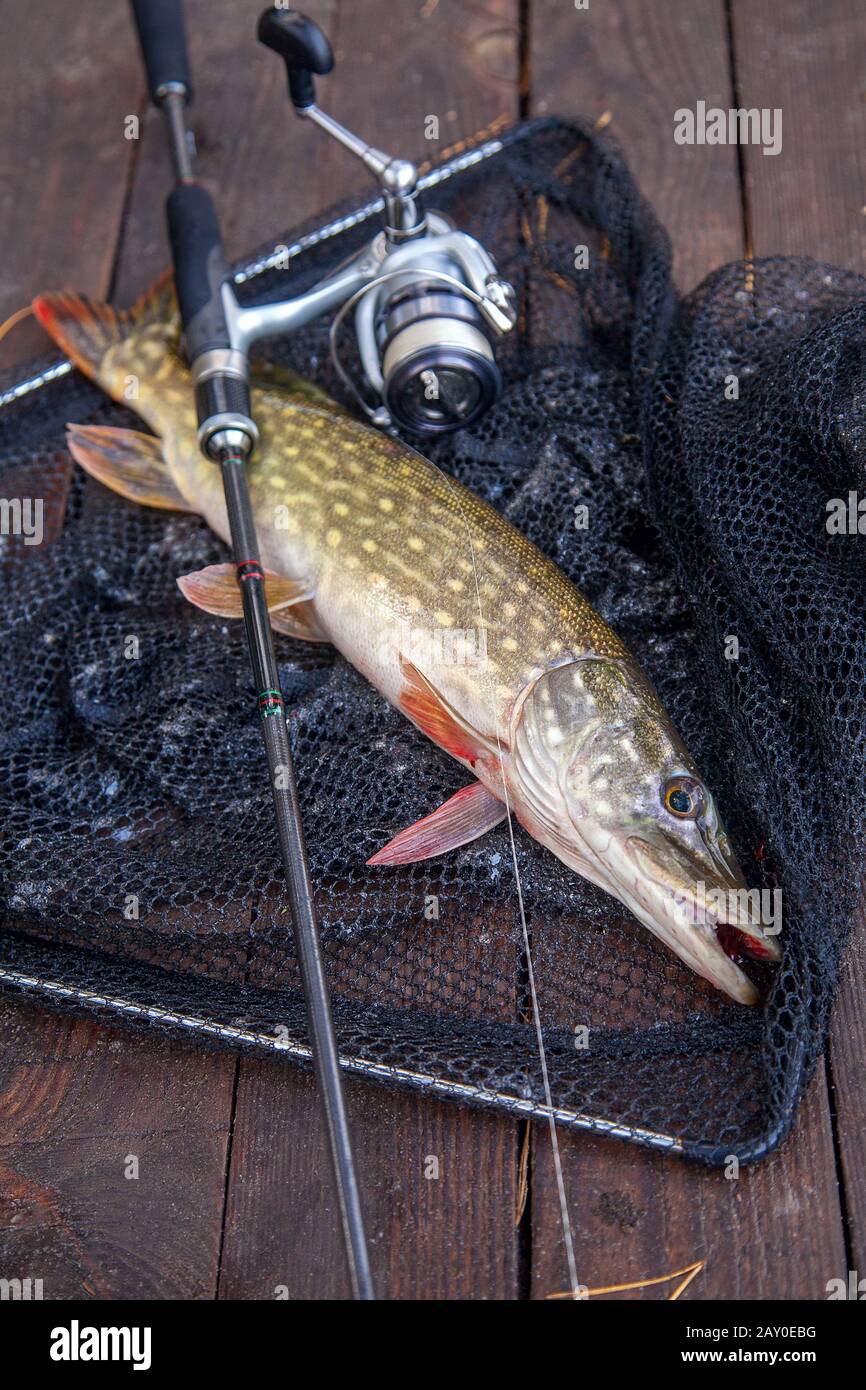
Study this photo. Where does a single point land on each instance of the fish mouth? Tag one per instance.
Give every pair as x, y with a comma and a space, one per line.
705, 915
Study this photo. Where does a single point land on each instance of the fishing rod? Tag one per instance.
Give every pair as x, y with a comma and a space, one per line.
227, 436
429, 306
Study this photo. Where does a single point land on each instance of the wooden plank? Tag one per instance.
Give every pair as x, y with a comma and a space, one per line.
460, 64
456, 72
642, 63
64, 161
808, 200
848, 1089
79, 1103
806, 60
646, 62
253, 154
438, 1185
77, 1097
774, 1232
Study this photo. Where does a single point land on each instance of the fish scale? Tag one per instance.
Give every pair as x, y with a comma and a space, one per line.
458, 619
367, 575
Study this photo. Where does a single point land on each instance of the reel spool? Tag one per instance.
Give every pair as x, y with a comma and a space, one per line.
438, 368
429, 301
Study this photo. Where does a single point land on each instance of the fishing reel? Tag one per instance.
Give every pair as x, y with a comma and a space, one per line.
428, 301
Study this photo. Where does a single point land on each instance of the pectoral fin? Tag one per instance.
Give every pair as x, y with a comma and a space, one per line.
421, 702
299, 621
216, 590
128, 462
463, 817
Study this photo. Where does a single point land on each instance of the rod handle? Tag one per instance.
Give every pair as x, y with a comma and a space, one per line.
163, 46
199, 266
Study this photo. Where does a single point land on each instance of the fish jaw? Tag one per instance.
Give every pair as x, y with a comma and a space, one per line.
592, 752
683, 915
695, 943
725, 902
613, 865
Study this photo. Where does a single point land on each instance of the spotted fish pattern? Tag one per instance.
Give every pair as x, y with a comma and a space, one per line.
449, 611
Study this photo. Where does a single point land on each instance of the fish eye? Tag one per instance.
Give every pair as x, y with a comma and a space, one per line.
682, 796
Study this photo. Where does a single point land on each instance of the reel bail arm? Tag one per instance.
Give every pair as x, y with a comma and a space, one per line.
307, 53
227, 434
428, 299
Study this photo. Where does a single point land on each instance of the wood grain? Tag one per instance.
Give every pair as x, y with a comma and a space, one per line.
774, 1232
808, 200
64, 161
641, 63
439, 1186
78, 1102
806, 60
405, 64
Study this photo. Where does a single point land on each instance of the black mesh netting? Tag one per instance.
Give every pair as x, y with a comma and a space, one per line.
138, 784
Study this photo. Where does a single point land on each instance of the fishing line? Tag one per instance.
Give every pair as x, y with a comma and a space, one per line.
536, 1013
13, 319
567, 1237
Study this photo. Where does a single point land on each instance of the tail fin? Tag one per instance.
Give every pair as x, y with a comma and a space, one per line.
86, 329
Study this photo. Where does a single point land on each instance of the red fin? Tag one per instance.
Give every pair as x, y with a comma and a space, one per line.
81, 327
216, 590
423, 704
127, 461
85, 328
463, 817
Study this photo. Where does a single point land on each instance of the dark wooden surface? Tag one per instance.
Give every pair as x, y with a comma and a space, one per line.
232, 1197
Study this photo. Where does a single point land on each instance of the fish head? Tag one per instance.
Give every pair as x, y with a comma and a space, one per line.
614, 793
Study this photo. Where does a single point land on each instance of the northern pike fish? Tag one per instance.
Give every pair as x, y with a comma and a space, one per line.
452, 614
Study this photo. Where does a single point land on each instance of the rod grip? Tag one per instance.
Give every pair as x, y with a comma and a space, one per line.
199, 266
163, 45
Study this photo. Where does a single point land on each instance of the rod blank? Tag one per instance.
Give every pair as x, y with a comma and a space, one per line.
228, 434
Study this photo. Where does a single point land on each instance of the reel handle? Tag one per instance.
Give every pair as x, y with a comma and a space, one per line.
163, 45
302, 47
